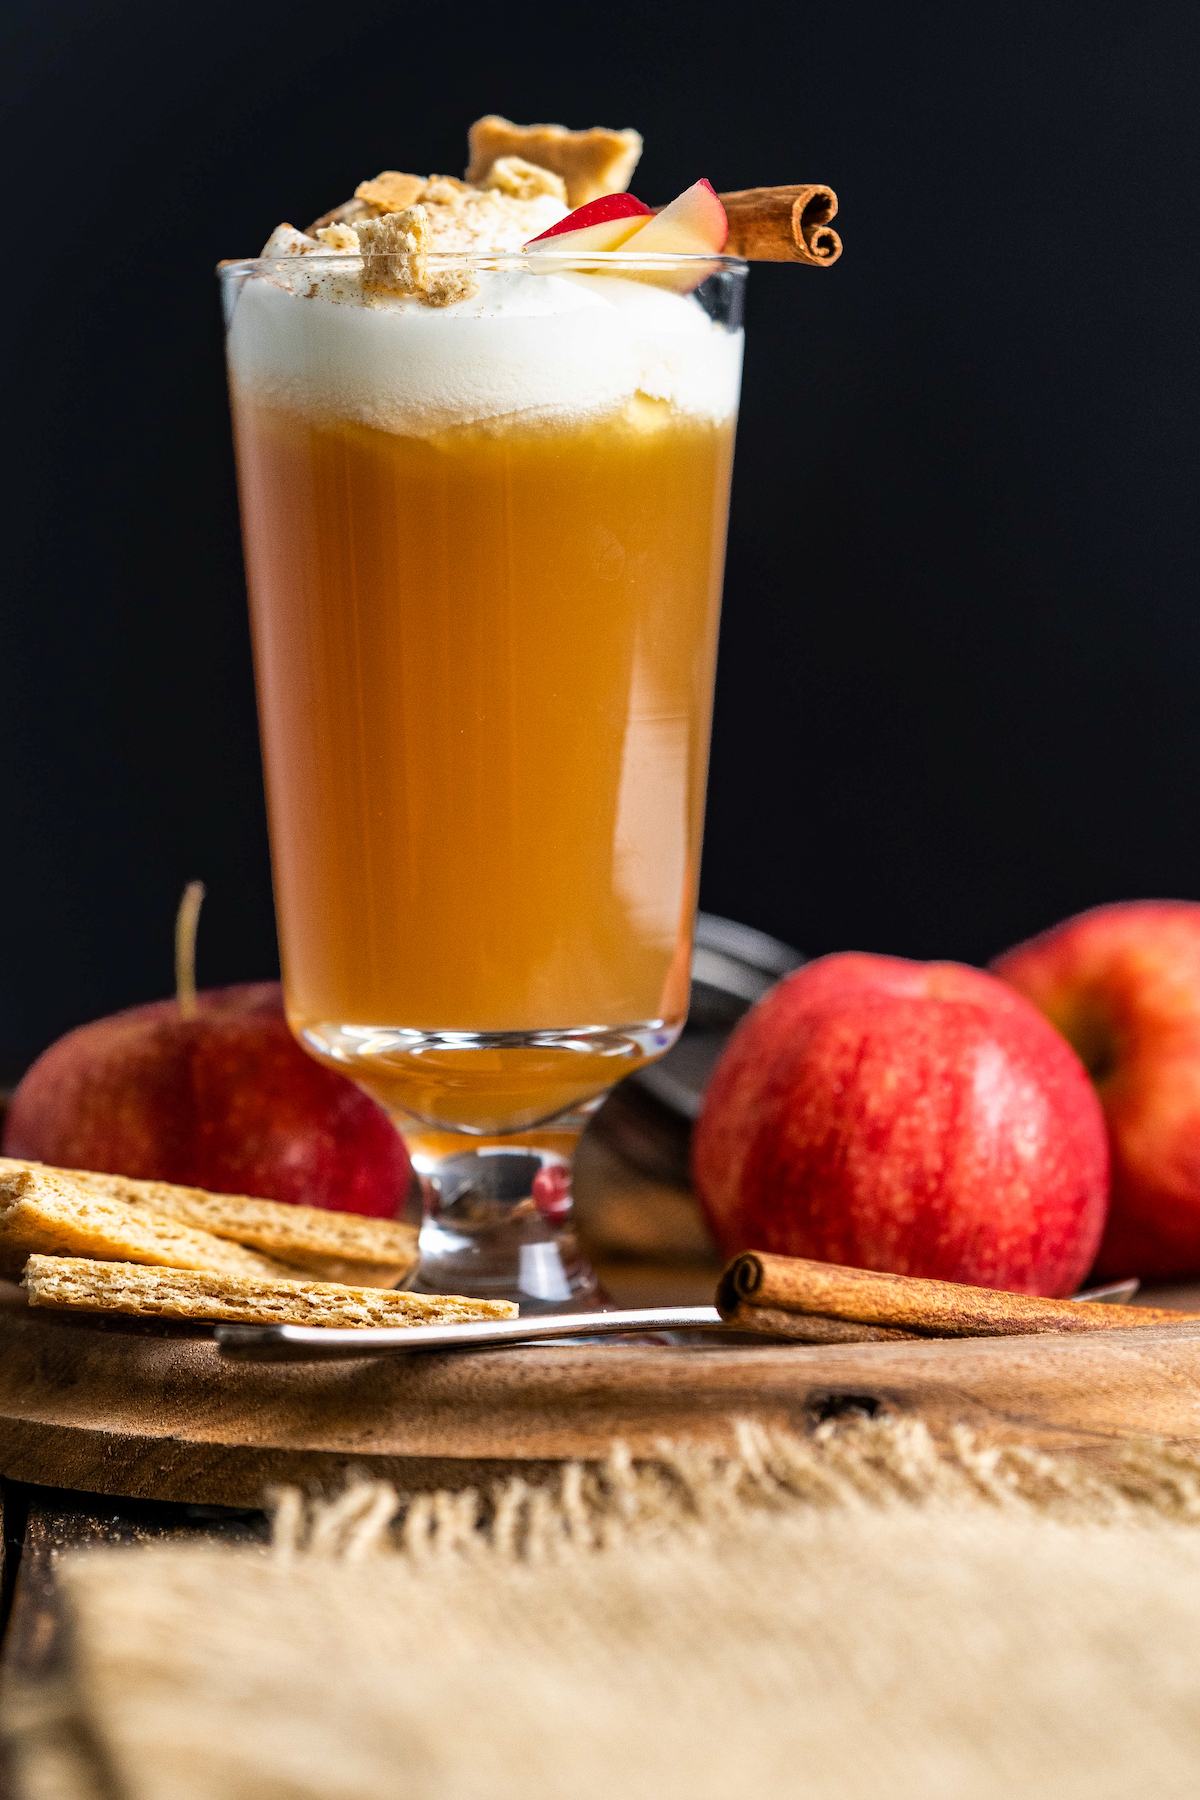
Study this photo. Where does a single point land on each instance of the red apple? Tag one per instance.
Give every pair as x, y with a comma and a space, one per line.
226, 1100
918, 1118
1122, 984
694, 224
617, 211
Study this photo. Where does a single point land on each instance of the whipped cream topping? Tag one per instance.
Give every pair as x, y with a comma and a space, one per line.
552, 346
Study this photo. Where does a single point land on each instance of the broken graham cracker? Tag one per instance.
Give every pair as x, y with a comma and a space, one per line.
391, 191
395, 249
85, 1286
311, 1241
395, 252
43, 1212
328, 1246
591, 163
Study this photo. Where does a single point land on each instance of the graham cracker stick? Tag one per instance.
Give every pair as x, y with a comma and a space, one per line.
82, 1285
757, 1281
331, 1246
783, 224
42, 1211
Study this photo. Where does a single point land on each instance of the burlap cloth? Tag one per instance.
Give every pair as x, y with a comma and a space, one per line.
851, 1615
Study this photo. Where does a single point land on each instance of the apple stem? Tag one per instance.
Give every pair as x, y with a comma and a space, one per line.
187, 921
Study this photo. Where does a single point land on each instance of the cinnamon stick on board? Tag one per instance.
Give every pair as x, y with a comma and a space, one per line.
788, 1296
783, 224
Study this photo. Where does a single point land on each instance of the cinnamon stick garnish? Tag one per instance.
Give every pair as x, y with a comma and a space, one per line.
783, 224
812, 1293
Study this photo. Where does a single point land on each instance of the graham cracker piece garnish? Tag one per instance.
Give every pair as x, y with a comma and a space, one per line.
591, 163
81, 1285
395, 253
44, 1212
524, 180
395, 249
391, 191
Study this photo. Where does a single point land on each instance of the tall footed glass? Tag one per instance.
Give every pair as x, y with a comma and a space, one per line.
484, 545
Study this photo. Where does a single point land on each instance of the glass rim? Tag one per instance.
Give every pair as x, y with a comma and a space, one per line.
535, 262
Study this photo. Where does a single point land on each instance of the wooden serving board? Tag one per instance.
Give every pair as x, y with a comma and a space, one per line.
151, 1410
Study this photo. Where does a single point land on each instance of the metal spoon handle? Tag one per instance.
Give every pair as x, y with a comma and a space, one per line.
316, 1343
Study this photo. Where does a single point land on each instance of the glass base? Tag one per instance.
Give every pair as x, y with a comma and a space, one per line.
491, 1121
498, 1227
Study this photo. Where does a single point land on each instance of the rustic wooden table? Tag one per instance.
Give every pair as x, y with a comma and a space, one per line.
649, 1248
40, 1524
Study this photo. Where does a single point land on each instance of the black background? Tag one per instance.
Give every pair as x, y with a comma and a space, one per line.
960, 682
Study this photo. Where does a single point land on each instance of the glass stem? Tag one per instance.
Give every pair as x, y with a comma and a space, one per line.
497, 1215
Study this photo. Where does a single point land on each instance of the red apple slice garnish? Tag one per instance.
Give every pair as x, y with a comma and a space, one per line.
603, 224
596, 212
692, 225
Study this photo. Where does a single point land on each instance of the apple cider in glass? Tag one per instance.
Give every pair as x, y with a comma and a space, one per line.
484, 546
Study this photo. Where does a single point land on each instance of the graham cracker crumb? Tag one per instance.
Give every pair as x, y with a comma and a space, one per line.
397, 221
443, 190
391, 191
339, 237
592, 162
524, 180
451, 285
487, 222
394, 251
520, 201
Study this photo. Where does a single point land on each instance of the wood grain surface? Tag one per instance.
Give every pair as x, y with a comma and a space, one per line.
117, 1407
